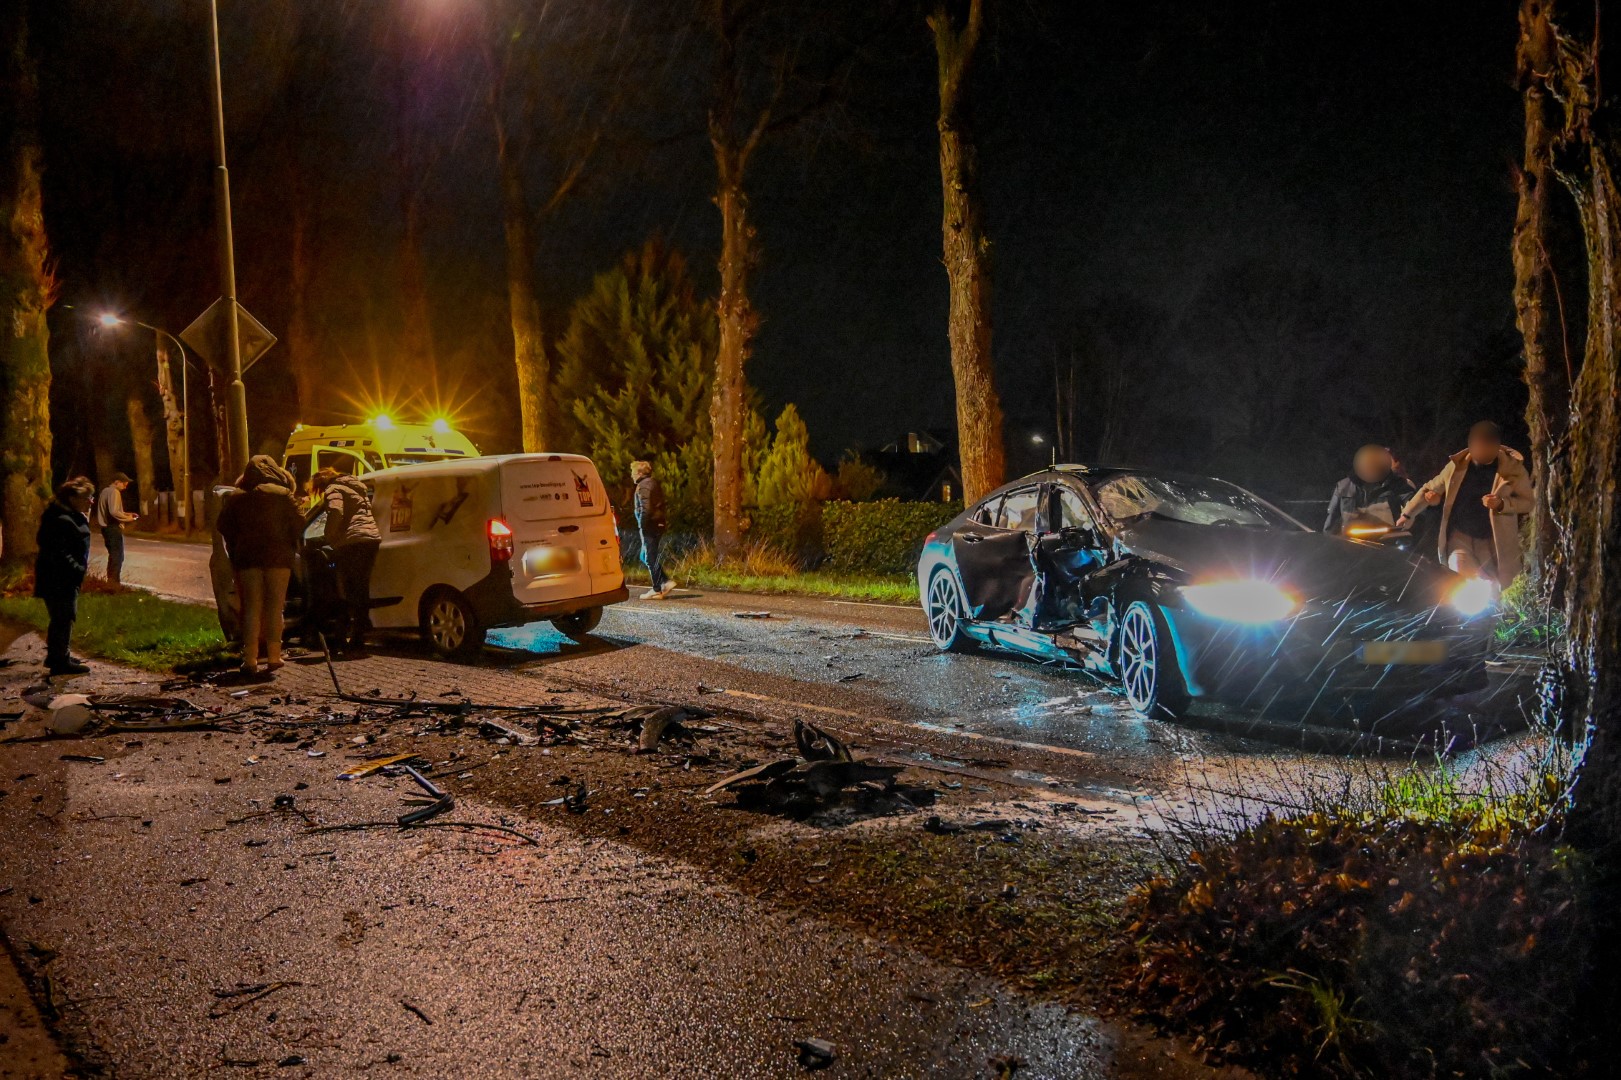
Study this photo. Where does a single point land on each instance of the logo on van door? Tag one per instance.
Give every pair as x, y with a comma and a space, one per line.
582, 488
399, 509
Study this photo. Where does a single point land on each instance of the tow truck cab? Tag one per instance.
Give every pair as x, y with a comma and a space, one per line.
377, 444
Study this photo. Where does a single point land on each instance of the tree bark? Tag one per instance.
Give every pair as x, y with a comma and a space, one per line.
728, 403
1584, 478
301, 347
1538, 300
142, 439
735, 314
174, 429
27, 290
529, 355
967, 255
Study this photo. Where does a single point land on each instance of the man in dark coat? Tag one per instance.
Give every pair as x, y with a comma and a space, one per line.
1372, 496
650, 522
60, 566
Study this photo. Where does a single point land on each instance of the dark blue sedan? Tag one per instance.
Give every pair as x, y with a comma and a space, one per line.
1181, 587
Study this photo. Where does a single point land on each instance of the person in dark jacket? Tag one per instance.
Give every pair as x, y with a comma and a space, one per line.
60, 566
1373, 495
648, 503
261, 529
353, 536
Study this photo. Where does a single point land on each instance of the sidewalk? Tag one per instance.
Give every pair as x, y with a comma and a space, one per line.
188, 924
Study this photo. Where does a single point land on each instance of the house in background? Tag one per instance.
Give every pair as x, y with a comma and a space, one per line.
920, 466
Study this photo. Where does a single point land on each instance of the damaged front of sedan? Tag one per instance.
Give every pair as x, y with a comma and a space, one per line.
1183, 587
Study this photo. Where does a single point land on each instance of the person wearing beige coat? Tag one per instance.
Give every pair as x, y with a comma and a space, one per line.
1483, 492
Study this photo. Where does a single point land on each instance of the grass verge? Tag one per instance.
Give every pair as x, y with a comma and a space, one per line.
129, 626
763, 568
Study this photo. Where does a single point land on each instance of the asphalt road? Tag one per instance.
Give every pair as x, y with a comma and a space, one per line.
871, 672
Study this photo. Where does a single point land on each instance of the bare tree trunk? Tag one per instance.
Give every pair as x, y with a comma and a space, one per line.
967, 253
174, 429
528, 338
300, 344
27, 289
1538, 302
142, 438
728, 401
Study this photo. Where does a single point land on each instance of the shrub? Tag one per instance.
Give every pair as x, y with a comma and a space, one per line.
883, 537
793, 528
1344, 945
1525, 621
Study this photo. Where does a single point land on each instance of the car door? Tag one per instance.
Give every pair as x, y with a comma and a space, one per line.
992, 551
1068, 551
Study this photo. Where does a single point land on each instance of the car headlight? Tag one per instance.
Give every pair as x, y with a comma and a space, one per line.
1241, 601
1473, 596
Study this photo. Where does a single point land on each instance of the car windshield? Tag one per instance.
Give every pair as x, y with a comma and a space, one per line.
1194, 500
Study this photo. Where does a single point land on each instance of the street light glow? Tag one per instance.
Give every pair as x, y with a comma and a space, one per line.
108, 319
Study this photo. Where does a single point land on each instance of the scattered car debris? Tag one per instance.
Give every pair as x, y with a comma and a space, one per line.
816, 1053
650, 725
752, 615
376, 764
440, 800
817, 778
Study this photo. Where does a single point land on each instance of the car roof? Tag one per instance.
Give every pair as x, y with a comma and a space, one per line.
465, 466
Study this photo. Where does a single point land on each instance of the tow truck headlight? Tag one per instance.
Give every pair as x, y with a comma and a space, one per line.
1242, 601
1473, 596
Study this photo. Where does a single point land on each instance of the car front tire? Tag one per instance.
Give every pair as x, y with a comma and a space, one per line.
1148, 668
578, 624
450, 626
947, 611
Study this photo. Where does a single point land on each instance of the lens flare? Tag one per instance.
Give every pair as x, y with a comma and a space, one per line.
1242, 601
1472, 596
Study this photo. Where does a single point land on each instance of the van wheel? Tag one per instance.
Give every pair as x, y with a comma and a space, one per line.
578, 624
450, 626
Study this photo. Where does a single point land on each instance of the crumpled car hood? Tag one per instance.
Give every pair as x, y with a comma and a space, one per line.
1313, 565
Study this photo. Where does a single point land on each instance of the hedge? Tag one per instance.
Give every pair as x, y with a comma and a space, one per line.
881, 537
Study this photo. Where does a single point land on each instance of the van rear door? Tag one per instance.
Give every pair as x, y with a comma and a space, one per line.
564, 545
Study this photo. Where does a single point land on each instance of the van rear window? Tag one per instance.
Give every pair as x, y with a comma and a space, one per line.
538, 490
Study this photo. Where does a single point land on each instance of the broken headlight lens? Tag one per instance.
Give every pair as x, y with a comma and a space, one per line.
1242, 601
1473, 596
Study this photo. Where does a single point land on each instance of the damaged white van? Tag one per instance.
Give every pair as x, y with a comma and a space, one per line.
487, 542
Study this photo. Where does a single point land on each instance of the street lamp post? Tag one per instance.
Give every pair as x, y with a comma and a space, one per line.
236, 393
183, 481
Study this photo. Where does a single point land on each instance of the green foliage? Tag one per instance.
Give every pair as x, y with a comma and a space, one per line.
1524, 619
787, 474
883, 537
132, 627
1339, 944
634, 371
857, 481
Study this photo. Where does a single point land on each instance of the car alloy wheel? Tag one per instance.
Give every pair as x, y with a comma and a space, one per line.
946, 613
447, 625
1148, 670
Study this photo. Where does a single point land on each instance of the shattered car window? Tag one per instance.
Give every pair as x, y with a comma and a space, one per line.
1195, 501
1073, 512
1020, 511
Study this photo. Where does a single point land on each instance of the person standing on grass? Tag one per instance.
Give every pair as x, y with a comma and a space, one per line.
353, 536
110, 519
650, 523
1483, 491
59, 569
261, 529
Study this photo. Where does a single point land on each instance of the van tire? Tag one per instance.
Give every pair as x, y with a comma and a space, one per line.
449, 624
578, 624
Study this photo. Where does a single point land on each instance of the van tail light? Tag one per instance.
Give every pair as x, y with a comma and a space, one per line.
500, 541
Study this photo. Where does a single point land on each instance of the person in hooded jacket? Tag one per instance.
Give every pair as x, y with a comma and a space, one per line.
353, 536
60, 566
1374, 493
261, 529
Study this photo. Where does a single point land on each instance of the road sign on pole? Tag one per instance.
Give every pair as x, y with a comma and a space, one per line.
206, 335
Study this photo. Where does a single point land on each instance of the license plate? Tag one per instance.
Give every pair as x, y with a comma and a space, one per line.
1385, 653
545, 561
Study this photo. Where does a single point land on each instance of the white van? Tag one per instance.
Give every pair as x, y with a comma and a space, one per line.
493, 541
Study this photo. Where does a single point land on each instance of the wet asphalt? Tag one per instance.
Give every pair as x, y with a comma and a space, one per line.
871, 672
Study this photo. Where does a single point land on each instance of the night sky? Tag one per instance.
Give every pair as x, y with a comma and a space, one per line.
1292, 219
